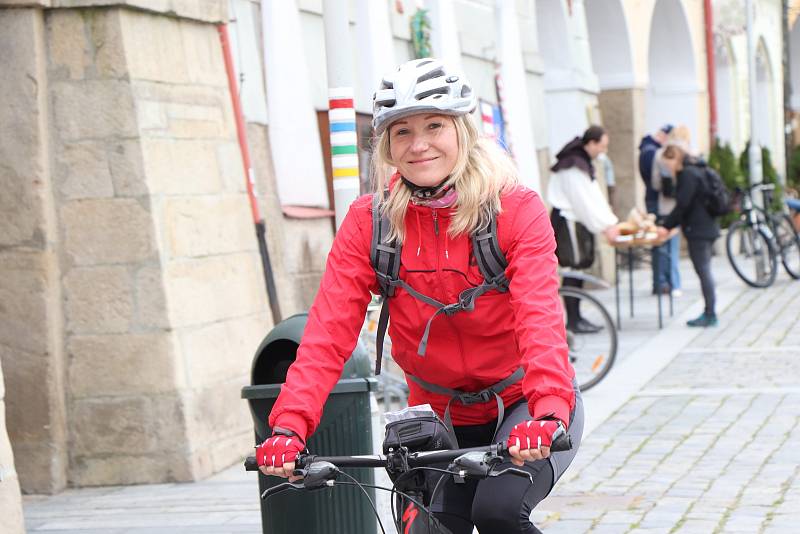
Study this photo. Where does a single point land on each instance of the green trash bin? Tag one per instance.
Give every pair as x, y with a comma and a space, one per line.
345, 428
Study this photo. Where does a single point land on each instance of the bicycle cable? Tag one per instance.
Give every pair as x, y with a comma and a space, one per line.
364, 491
404, 494
433, 496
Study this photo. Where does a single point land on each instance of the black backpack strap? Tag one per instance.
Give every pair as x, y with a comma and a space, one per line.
491, 260
385, 259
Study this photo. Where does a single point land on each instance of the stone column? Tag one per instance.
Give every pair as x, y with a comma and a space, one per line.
623, 116
31, 324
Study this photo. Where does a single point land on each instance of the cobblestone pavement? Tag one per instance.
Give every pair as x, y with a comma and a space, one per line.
710, 444
703, 446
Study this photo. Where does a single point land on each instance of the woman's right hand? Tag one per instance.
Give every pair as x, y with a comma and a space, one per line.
277, 454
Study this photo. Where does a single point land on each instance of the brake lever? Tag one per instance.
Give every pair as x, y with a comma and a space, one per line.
269, 492
512, 471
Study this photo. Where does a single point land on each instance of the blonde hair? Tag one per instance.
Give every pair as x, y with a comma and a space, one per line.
681, 137
481, 174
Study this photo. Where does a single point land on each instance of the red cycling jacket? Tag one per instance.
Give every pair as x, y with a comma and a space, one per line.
468, 351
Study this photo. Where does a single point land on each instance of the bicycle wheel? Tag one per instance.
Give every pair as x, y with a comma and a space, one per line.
751, 254
789, 244
591, 354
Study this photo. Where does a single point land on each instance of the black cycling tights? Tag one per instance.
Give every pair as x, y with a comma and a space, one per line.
501, 505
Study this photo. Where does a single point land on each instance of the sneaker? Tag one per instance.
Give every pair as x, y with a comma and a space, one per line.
676, 293
703, 321
582, 326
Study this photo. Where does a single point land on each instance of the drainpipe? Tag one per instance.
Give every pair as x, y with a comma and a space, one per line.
341, 113
241, 133
711, 72
755, 149
788, 141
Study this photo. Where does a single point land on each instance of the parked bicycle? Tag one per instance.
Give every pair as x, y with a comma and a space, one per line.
592, 354
412, 492
759, 237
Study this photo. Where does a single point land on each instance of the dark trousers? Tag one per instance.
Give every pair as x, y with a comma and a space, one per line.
571, 304
503, 505
700, 254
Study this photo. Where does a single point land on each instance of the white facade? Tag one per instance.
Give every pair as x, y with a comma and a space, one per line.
733, 100
565, 56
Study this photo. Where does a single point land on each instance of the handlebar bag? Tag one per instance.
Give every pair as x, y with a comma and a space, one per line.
427, 433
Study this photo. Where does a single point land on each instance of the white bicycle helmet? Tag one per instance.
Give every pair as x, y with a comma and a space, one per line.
421, 85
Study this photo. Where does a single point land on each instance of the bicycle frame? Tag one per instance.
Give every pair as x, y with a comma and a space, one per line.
758, 216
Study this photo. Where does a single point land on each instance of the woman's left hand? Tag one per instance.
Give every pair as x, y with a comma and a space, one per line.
611, 233
531, 440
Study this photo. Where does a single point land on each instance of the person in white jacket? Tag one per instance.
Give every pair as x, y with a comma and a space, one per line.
580, 210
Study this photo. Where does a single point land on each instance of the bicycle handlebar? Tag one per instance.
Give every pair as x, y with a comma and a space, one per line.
760, 187
415, 459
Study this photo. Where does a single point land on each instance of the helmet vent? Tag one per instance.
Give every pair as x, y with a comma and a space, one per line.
432, 74
423, 63
439, 91
466, 91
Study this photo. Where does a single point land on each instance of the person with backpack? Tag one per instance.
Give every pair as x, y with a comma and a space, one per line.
481, 339
698, 203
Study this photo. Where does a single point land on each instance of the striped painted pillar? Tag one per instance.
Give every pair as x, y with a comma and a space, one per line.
344, 149
341, 114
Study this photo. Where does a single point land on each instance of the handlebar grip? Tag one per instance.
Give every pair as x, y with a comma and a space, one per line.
250, 464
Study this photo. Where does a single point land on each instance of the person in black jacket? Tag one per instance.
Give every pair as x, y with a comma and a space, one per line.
699, 227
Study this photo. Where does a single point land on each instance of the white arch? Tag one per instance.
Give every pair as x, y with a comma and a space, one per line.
764, 98
612, 55
551, 25
672, 92
726, 93
564, 96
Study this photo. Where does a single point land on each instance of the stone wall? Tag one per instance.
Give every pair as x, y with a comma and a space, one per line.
298, 247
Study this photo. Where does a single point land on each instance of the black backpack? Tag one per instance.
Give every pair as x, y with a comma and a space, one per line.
385, 259
716, 197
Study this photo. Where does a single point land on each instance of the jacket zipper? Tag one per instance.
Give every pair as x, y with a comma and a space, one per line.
435, 215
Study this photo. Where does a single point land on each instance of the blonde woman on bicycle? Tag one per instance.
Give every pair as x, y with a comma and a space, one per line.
495, 364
